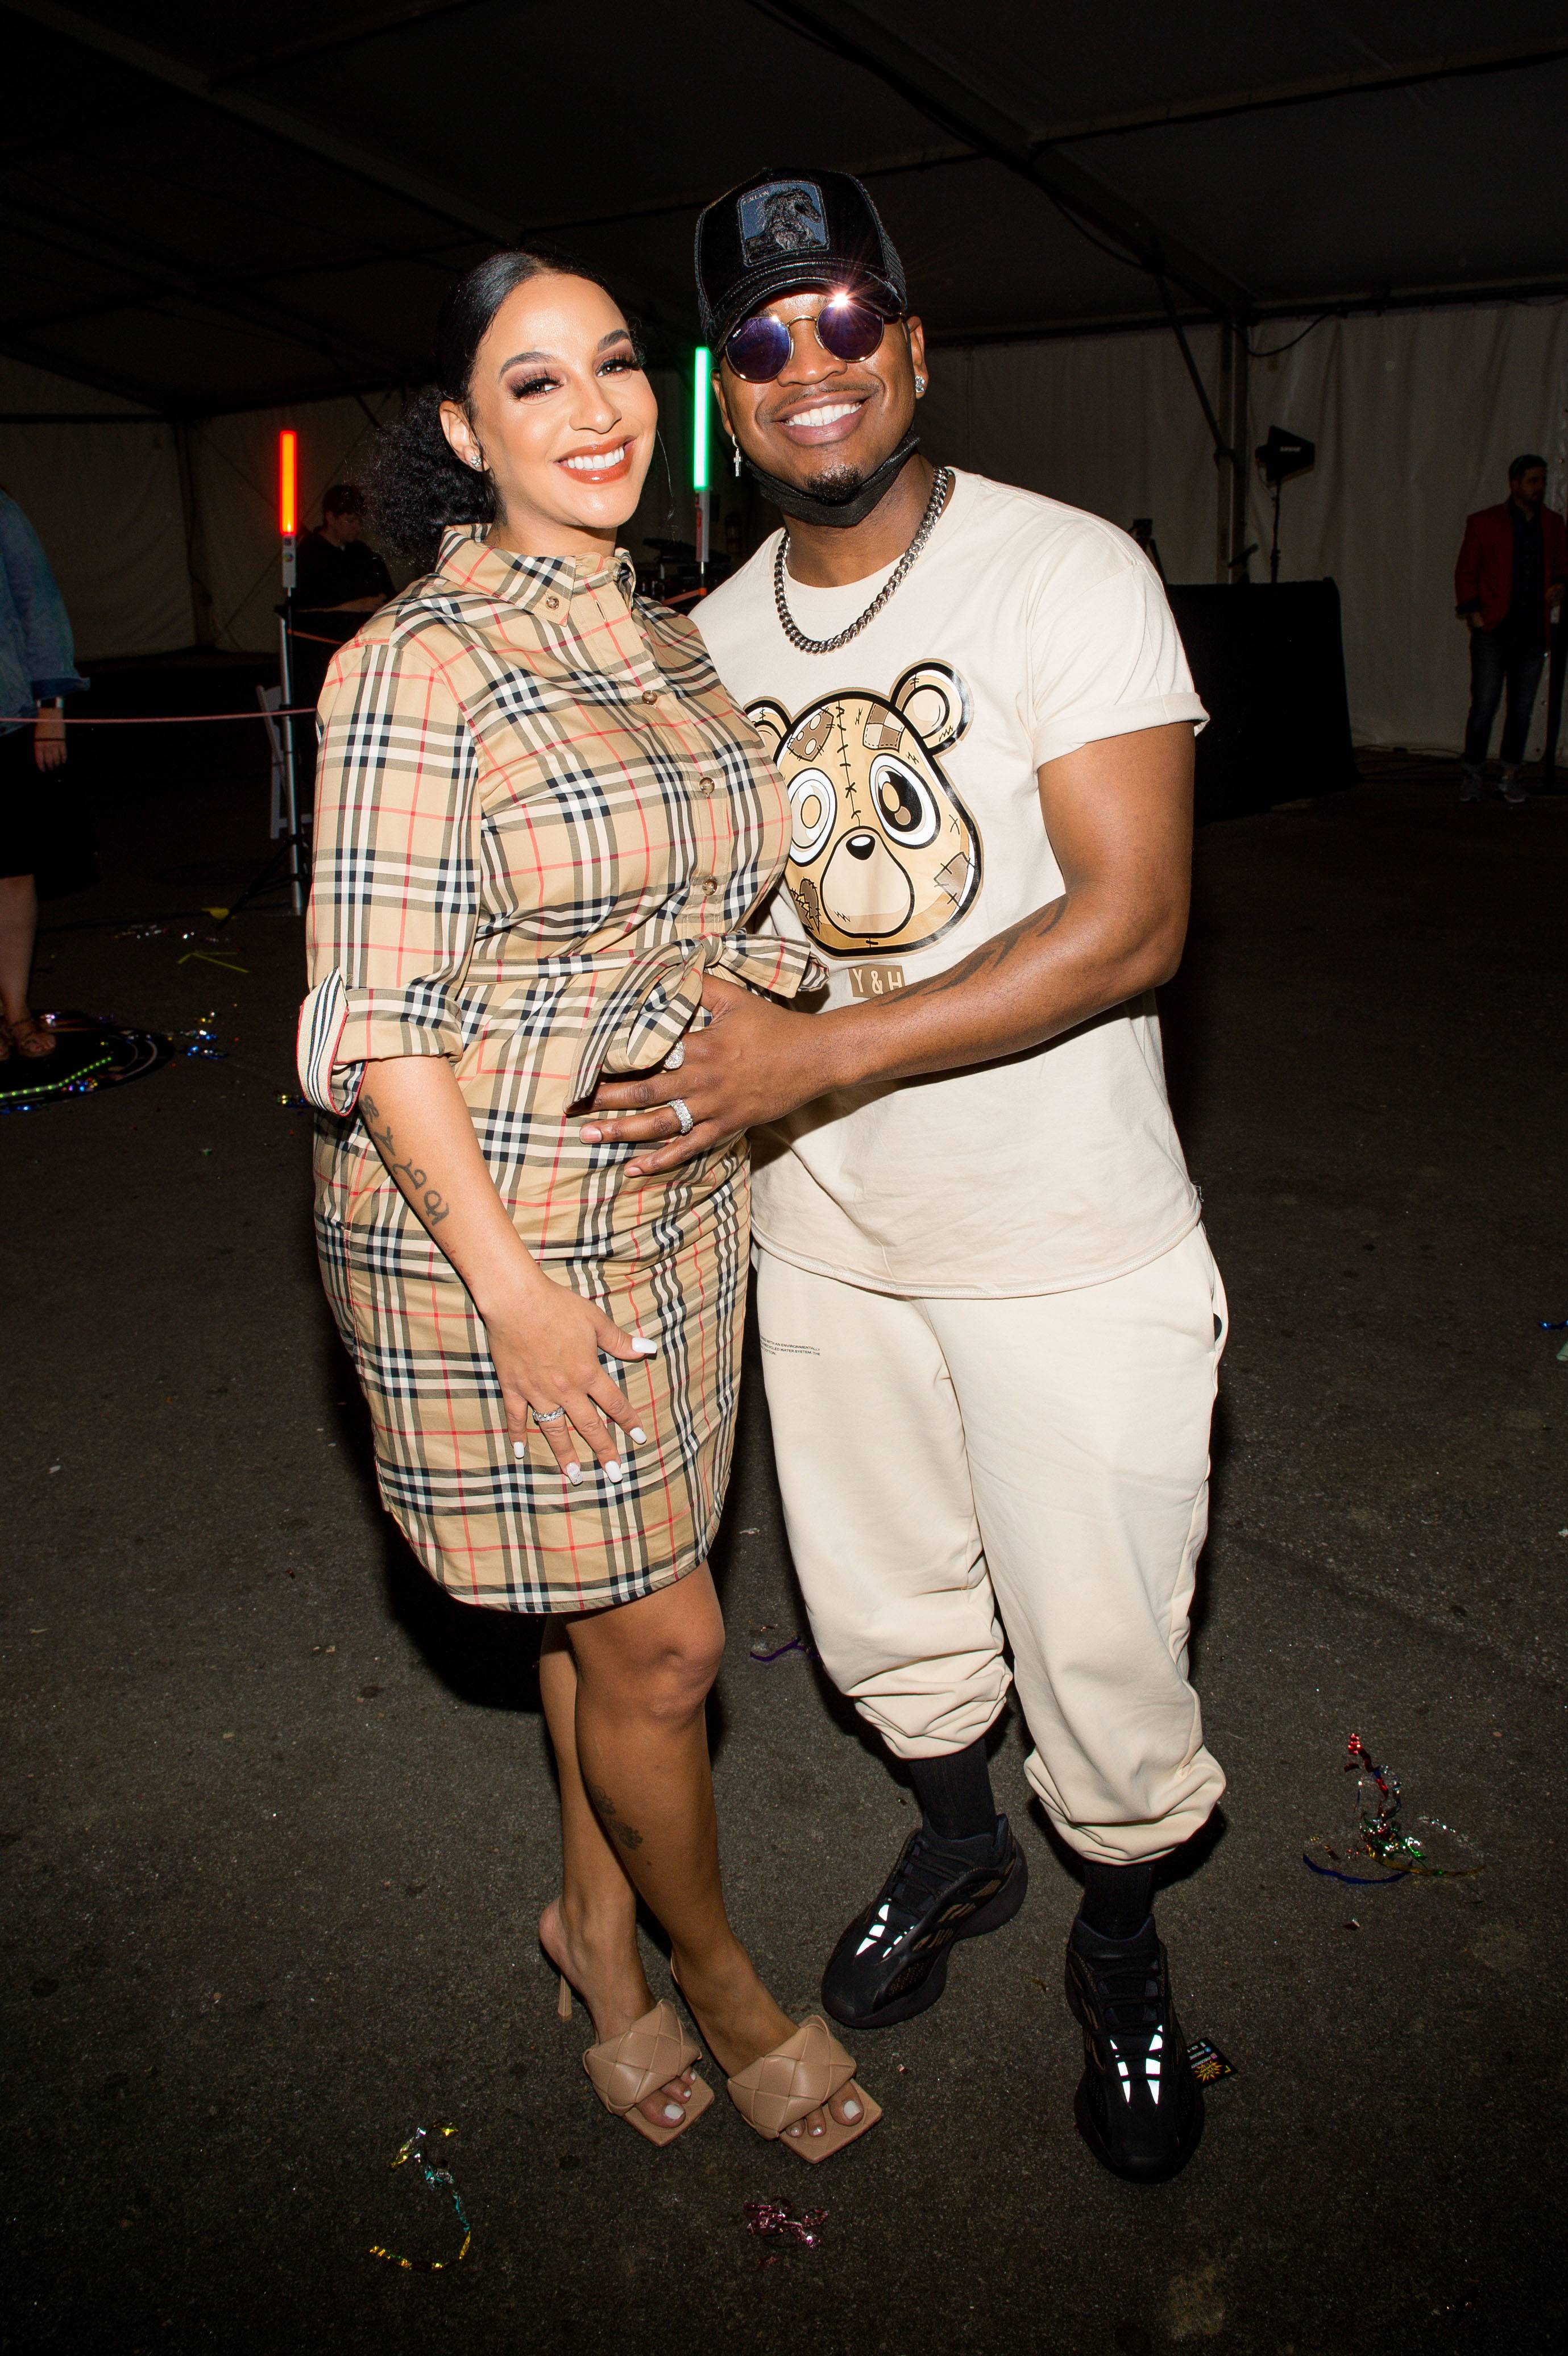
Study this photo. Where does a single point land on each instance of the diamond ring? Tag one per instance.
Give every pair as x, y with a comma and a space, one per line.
554, 1416
683, 1112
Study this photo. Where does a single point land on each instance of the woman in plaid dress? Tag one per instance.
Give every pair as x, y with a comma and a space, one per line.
542, 829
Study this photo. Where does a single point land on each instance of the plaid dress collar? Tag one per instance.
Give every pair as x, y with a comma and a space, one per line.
468, 562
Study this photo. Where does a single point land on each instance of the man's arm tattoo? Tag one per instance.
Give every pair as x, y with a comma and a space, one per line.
430, 1204
989, 960
627, 1834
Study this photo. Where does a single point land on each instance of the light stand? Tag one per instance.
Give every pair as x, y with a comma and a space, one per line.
290, 862
1281, 456
701, 376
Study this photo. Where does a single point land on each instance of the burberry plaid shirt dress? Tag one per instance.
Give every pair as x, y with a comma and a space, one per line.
541, 823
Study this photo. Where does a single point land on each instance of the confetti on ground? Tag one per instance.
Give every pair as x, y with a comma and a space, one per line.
776, 2224
1207, 2063
436, 2179
797, 1646
1436, 1853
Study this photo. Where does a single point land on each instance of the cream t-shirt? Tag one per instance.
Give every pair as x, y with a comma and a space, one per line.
1025, 628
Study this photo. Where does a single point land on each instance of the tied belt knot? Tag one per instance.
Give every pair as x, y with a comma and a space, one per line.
656, 998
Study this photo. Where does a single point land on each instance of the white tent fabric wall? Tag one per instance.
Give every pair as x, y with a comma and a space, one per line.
1108, 422
1415, 415
105, 501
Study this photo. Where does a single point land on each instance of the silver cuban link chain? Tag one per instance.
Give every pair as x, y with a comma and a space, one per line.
941, 483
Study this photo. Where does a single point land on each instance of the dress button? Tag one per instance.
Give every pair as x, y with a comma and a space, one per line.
707, 885
704, 784
553, 603
651, 695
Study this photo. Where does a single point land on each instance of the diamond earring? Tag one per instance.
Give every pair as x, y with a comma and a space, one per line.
919, 387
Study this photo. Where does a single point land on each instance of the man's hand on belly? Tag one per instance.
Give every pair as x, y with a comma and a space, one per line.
752, 1064
1117, 811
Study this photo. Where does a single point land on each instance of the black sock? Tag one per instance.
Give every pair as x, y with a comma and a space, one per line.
955, 1794
1117, 1898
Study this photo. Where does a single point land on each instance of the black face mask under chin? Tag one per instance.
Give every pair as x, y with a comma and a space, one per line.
838, 514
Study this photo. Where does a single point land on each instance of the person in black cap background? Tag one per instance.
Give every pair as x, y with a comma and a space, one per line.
339, 574
991, 1324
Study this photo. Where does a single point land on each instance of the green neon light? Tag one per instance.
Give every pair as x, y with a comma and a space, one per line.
701, 375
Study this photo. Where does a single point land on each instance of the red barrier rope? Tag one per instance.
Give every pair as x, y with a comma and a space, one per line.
159, 719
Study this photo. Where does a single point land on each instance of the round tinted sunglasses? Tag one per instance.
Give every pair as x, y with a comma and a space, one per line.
759, 348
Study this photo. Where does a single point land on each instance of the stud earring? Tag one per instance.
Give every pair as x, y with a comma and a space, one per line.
919, 387
736, 458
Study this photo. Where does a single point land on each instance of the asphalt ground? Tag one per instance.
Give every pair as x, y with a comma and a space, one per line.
278, 1820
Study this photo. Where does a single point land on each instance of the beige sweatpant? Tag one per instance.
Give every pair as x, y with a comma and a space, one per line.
959, 1475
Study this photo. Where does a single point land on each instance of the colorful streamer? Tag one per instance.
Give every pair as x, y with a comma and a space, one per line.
435, 2179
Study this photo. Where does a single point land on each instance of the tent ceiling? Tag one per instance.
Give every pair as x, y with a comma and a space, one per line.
208, 209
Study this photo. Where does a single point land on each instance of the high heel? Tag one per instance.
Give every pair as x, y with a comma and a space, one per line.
624, 2070
802, 2075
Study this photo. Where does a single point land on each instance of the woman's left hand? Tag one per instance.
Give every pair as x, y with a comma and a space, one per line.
49, 740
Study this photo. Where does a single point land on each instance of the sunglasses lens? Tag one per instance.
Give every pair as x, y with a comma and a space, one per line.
758, 348
850, 331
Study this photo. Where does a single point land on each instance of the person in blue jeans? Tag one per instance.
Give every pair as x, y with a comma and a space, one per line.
1508, 583
38, 668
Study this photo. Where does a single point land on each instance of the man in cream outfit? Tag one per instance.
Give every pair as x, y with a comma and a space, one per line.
991, 1324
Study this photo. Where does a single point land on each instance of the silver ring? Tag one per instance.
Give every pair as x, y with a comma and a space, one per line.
683, 1112
676, 1058
554, 1415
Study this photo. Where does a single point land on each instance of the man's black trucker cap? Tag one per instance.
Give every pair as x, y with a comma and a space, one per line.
784, 229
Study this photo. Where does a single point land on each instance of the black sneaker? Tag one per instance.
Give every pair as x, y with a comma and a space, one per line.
1139, 2107
892, 1961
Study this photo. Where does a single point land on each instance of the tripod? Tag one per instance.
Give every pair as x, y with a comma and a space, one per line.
290, 862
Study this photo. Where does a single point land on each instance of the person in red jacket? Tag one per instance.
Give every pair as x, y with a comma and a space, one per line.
1508, 583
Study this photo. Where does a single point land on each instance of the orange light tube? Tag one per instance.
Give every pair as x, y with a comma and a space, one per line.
288, 476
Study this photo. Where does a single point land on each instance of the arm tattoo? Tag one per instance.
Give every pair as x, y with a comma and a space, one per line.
414, 1184
989, 962
627, 1834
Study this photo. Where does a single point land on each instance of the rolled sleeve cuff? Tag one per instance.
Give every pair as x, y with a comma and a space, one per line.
342, 1029
1072, 729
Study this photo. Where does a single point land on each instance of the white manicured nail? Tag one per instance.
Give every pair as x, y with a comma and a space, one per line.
519, 1448
852, 2109
575, 1475
644, 1349
816, 2131
638, 1433
613, 1469
673, 2111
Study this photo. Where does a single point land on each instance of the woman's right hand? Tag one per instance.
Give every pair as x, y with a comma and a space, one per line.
49, 740
546, 1342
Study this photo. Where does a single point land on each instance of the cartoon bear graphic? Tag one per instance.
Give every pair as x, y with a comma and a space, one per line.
883, 854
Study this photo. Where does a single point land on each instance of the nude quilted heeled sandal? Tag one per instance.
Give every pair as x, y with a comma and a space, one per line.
625, 2070
803, 2074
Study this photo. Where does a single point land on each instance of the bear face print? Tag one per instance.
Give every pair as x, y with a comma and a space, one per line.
883, 854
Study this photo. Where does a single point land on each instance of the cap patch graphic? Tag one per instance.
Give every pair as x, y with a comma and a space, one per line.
783, 217
883, 854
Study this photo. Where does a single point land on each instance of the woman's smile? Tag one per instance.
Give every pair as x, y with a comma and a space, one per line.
604, 462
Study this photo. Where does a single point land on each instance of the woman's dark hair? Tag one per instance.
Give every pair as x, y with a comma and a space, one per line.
417, 483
